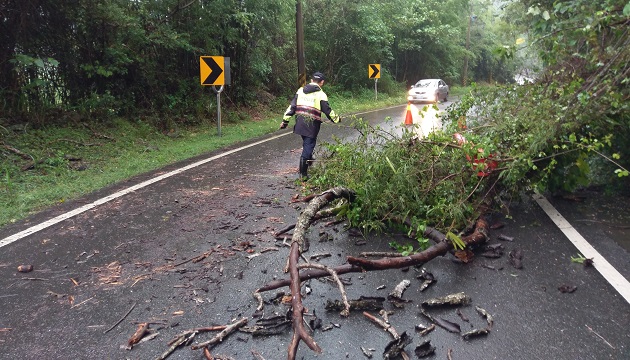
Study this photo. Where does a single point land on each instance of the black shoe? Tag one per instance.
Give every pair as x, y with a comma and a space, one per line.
303, 168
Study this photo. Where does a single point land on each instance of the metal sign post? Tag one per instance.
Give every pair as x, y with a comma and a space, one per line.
374, 72
218, 92
215, 71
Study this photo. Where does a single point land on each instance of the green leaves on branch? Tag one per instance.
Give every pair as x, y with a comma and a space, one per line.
398, 176
458, 244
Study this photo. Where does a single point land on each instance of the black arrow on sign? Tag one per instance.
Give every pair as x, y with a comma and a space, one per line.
215, 71
375, 70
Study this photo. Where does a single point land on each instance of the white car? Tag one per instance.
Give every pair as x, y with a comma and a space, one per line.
428, 90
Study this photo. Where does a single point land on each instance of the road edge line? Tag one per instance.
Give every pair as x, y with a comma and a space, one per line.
614, 277
33, 229
48, 223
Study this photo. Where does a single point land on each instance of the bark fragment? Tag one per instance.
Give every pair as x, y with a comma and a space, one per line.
456, 299
425, 349
486, 315
396, 294
362, 303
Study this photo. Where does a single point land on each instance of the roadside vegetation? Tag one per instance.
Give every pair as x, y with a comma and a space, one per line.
61, 163
94, 92
565, 130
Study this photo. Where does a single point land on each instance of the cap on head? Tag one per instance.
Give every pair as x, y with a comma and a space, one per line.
317, 76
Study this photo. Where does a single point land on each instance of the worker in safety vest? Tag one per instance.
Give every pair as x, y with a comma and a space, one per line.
308, 104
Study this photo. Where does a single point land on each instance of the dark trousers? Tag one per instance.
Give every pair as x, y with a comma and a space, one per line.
308, 146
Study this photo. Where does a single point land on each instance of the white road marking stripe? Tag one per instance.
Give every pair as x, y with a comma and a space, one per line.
22, 234
601, 264
84, 208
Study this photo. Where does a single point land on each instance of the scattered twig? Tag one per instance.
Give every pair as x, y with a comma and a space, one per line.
505, 238
486, 315
257, 355
346, 311
181, 340
424, 330
365, 352
142, 330
599, 336
121, 319
283, 231
195, 259
317, 257
81, 303
219, 338
387, 327
250, 257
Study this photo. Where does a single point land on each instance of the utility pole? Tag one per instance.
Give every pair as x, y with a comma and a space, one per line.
299, 29
465, 77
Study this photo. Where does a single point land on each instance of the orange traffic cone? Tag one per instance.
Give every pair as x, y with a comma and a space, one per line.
409, 116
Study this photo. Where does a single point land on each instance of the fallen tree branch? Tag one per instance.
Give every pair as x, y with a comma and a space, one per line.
441, 248
298, 245
299, 331
360, 265
17, 152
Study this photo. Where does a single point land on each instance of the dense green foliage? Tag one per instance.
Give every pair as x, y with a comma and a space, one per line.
567, 129
99, 59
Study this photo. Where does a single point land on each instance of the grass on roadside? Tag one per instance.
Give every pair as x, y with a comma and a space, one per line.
75, 160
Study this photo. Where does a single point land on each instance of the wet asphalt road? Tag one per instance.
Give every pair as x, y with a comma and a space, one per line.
175, 253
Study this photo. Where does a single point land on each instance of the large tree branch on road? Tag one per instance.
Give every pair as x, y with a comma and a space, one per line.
298, 243
359, 265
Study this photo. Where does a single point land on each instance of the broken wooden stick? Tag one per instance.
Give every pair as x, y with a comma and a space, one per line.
344, 297
181, 340
142, 330
121, 319
219, 337
399, 289
387, 327
186, 337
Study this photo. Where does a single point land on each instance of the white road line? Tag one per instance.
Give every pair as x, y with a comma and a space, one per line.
601, 264
82, 209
